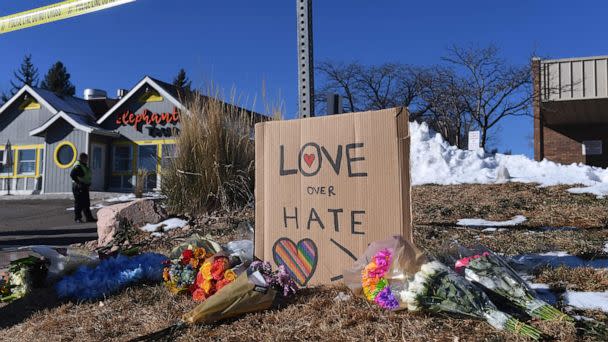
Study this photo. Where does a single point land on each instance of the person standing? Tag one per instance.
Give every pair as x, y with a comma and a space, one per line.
81, 181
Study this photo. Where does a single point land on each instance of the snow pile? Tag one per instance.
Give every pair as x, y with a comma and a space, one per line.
517, 220
166, 225
587, 300
434, 161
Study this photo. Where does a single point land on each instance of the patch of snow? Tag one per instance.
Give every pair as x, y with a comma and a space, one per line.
96, 206
435, 161
606, 247
555, 259
489, 230
587, 300
519, 219
165, 225
131, 197
157, 234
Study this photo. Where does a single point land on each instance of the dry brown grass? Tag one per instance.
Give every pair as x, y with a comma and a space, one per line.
314, 315
214, 165
576, 279
436, 205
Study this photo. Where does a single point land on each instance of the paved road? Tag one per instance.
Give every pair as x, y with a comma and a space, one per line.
41, 222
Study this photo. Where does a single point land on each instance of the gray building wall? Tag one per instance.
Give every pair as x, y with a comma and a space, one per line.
57, 179
133, 105
15, 124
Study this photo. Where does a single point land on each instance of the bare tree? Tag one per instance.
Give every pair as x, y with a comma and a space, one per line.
369, 87
491, 88
340, 79
445, 110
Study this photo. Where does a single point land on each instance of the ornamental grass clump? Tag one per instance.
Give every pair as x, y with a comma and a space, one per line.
213, 167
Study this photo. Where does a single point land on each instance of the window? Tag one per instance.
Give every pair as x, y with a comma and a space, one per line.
26, 162
148, 160
123, 158
65, 154
169, 154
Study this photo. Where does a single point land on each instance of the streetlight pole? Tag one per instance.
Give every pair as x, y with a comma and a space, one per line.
305, 59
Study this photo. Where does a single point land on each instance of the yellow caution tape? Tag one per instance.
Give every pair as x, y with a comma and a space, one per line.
58, 11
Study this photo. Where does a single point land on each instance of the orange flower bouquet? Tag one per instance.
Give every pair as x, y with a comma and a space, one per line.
213, 275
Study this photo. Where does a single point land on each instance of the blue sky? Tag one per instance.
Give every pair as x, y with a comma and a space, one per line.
251, 45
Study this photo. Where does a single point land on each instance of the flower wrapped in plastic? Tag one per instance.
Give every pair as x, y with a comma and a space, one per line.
23, 275
491, 272
420, 284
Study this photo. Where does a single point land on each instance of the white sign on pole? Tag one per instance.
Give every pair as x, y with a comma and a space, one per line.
474, 138
592, 147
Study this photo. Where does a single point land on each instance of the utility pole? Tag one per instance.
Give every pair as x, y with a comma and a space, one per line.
305, 59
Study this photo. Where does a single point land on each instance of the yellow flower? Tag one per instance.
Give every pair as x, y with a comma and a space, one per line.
200, 253
229, 275
206, 286
206, 270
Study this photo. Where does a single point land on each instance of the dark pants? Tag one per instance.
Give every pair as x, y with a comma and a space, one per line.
82, 202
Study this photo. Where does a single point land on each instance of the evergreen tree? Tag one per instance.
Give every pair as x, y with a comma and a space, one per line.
57, 80
182, 82
26, 74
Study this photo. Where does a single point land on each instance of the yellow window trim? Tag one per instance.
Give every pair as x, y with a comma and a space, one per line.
137, 143
38, 147
16, 148
56, 155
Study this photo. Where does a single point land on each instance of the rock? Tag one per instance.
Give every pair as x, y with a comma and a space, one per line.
137, 213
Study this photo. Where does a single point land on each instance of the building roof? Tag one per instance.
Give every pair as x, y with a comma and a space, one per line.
68, 104
78, 121
168, 91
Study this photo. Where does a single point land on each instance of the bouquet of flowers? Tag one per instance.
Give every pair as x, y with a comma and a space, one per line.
493, 274
396, 275
22, 275
180, 274
213, 275
253, 290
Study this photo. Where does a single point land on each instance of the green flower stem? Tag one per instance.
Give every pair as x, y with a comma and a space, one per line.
515, 326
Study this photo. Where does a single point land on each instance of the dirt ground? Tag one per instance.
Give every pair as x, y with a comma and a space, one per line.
316, 314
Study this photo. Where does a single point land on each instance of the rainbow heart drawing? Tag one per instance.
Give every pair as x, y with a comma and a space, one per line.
300, 259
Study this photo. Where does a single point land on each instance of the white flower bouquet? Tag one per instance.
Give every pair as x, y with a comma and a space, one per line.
493, 274
22, 275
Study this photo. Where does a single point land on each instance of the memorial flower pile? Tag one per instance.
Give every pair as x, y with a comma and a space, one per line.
494, 275
22, 275
375, 286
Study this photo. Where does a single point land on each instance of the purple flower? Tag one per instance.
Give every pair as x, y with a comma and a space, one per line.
386, 300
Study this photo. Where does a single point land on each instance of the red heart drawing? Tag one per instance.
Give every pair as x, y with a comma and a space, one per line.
309, 159
300, 260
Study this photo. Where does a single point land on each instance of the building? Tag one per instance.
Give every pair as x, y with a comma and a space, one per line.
46, 132
571, 110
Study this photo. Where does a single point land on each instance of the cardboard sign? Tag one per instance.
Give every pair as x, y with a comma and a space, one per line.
326, 187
